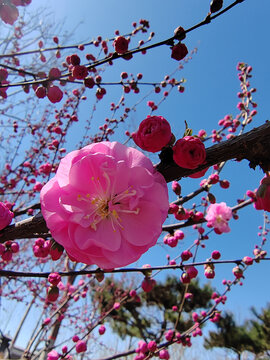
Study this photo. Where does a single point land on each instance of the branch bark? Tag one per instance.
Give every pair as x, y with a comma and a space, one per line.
253, 146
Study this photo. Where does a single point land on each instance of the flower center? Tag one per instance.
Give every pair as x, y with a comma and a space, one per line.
106, 205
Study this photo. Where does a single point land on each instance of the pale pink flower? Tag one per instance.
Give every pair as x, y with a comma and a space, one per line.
105, 205
53, 355
218, 216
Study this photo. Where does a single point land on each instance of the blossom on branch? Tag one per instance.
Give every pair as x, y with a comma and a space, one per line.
105, 205
189, 152
218, 216
153, 134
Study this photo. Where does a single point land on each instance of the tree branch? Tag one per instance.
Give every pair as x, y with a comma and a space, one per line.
253, 146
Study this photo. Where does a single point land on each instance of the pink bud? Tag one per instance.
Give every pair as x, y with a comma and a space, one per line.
102, 329
247, 260
216, 255
81, 346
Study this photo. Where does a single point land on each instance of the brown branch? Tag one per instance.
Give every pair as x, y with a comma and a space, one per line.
253, 146
190, 222
142, 270
29, 228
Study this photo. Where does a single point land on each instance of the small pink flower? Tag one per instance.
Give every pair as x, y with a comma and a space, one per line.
79, 72
53, 355
148, 284
179, 51
216, 255
52, 293
116, 306
102, 330
189, 152
209, 273
121, 45
75, 338
176, 188
169, 335
218, 215
185, 279
164, 354
9, 13
153, 134
105, 205
247, 260
54, 73
54, 278
55, 94
6, 216
191, 271
47, 321
152, 346
238, 272
81, 346
142, 347
262, 201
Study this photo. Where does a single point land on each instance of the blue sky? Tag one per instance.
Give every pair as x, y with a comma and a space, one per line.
210, 93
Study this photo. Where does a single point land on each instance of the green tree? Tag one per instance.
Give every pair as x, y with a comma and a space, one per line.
149, 316
253, 335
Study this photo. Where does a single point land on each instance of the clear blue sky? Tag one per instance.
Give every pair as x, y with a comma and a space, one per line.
211, 88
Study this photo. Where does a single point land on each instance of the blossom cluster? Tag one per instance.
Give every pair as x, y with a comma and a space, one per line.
154, 134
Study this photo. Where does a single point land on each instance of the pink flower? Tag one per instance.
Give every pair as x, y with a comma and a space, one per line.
6, 216
79, 72
9, 14
53, 355
263, 195
179, 51
120, 44
148, 284
153, 134
54, 278
189, 152
52, 293
81, 346
176, 188
55, 94
102, 329
105, 205
164, 354
218, 216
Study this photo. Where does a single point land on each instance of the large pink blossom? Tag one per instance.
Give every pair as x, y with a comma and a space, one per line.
105, 205
218, 216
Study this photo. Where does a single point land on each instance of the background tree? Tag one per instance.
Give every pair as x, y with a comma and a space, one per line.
252, 336
152, 314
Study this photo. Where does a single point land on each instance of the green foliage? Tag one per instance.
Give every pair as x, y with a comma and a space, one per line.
149, 316
253, 336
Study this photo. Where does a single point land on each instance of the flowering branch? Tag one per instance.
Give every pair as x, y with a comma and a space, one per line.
252, 146
143, 270
114, 56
